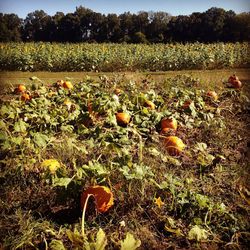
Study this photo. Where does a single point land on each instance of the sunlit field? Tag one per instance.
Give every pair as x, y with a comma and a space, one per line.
124, 146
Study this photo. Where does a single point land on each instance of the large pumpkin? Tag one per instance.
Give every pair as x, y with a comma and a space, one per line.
174, 145
103, 197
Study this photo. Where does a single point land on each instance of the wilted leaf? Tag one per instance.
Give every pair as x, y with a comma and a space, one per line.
197, 233
176, 231
75, 237
56, 245
130, 243
101, 240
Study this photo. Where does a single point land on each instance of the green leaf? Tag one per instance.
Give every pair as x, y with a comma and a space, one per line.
138, 172
20, 126
130, 243
3, 136
197, 233
62, 182
202, 200
40, 140
96, 168
56, 245
17, 140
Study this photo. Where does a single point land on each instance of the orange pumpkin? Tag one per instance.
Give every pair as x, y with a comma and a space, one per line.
59, 83
122, 118
20, 88
25, 97
166, 131
186, 104
169, 123
68, 85
233, 78
174, 145
149, 104
213, 95
118, 91
236, 84
103, 196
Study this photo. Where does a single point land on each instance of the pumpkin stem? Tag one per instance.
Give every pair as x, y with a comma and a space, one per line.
83, 213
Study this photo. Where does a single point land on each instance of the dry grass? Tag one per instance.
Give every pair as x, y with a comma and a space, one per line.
208, 78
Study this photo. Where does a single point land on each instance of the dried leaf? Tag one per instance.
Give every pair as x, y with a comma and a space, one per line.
56, 245
101, 240
159, 202
176, 231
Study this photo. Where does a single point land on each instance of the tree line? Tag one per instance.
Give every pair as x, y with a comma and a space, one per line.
85, 25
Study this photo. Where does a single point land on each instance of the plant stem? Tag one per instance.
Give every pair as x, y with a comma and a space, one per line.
83, 214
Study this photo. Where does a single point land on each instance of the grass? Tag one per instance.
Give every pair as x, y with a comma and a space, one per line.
206, 188
208, 78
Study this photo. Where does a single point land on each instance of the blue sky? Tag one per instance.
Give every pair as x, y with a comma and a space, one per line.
174, 7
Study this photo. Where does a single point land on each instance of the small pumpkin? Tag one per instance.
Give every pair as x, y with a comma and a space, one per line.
68, 85
20, 88
117, 91
233, 78
59, 83
169, 123
122, 118
187, 104
174, 145
212, 95
103, 196
149, 104
25, 97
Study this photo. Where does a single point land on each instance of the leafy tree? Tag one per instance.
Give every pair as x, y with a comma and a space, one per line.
69, 28
85, 25
157, 26
10, 28
139, 37
34, 28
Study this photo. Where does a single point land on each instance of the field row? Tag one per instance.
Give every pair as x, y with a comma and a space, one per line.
121, 57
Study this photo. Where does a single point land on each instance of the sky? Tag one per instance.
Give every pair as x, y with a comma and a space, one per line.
174, 7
